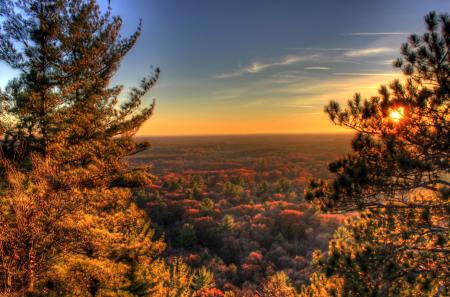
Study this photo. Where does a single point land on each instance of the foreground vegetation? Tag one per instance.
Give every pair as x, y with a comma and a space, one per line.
397, 174
75, 218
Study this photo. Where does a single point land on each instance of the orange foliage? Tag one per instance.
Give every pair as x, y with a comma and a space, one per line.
153, 187
189, 202
279, 196
258, 217
191, 212
206, 292
203, 222
255, 256
243, 209
193, 258
290, 216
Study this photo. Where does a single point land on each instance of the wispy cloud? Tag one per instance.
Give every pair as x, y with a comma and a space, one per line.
297, 105
260, 66
225, 97
317, 68
332, 49
228, 94
255, 103
377, 33
387, 62
347, 55
365, 74
368, 51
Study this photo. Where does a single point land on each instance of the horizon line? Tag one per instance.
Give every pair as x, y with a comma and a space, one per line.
248, 134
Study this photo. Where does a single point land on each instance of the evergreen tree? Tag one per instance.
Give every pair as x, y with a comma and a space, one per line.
398, 170
207, 205
69, 224
180, 282
278, 285
203, 279
187, 236
227, 224
360, 264
62, 105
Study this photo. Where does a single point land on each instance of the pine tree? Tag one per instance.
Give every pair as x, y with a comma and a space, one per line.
278, 285
187, 236
398, 171
203, 279
227, 224
358, 263
62, 105
70, 224
180, 282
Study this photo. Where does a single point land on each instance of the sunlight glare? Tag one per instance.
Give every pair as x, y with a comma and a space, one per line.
397, 114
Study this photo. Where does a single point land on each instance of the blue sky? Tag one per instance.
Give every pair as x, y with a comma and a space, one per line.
257, 66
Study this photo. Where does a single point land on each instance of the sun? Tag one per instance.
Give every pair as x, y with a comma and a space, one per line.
397, 114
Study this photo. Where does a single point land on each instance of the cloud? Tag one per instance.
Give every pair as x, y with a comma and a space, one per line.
365, 74
368, 51
225, 97
317, 68
320, 48
228, 75
297, 105
255, 103
387, 62
377, 33
228, 94
260, 66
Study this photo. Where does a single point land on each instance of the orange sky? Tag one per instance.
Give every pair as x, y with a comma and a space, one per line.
300, 114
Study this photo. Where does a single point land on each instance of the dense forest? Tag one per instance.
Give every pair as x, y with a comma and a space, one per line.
87, 209
237, 210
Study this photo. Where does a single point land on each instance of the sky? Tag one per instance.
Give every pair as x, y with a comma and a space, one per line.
260, 66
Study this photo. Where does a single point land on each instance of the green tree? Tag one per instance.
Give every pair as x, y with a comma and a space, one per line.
69, 224
232, 190
227, 224
61, 105
195, 192
207, 205
203, 279
187, 236
398, 170
282, 185
262, 187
